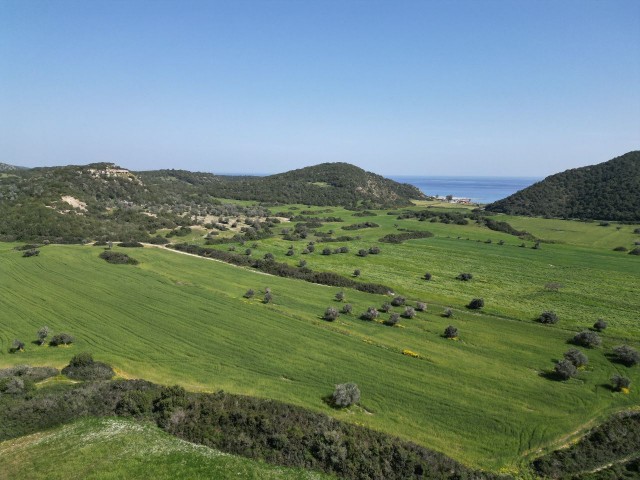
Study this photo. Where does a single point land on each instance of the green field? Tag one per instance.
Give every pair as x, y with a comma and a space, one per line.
110, 448
482, 400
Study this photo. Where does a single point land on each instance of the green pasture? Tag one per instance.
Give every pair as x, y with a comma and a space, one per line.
115, 448
483, 400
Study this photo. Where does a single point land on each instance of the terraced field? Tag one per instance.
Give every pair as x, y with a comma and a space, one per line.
483, 399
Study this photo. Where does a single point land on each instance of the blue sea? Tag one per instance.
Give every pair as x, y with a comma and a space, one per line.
478, 189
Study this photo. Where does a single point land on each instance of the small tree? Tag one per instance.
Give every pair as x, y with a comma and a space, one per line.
421, 307
362, 252
268, 298
465, 277
269, 257
289, 253
43, 333
548, 317
564, 369
409, 312
600, 325
17, 346
398, 301
374, 250
346, 394
587, 339
302, 263
247, 252
620, 383
386, 307
61, 339
448, 313
576, 357
427, 276
347, 308
249, 293
340, 296
626, 355
326, 251
451, 332
356, 272
371, 314
476, 304
393, 319
331, 313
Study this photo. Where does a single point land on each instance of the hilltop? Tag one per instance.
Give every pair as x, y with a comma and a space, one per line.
327, 184
103, 200
606, 191
5, 167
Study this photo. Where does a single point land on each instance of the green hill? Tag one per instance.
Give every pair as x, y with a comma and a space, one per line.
607, 191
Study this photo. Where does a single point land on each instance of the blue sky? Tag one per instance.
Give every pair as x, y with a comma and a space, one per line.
486, 87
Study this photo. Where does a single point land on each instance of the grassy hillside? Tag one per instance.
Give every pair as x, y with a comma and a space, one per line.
607, 191
175, 318
108, 448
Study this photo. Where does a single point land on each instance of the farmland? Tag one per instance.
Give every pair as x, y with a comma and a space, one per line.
183, 319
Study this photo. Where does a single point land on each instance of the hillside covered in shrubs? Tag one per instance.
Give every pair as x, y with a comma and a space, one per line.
607, 191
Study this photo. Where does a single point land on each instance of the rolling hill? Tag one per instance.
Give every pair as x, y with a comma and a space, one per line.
607, 191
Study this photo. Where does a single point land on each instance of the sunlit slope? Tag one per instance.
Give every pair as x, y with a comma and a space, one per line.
181, 319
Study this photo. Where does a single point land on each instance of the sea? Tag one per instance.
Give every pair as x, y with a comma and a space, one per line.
478, 189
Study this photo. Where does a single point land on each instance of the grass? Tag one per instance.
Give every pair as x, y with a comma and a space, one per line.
482, 400
112, 448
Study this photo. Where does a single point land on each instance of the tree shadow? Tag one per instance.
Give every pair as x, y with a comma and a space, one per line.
606, 386
551, 375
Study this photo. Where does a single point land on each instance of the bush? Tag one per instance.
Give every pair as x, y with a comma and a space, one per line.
362, 252
626, 355
618, 383
340, 296
451, 332
421, 307
587, 339
465, 277
398, 301
43, 333
61, 339
158, 240
548, 317
248, 252
393, 319
600, 325
371, 314
347, 308
476, 304
386, 307
268, 298
130, 244
374, 250
326, 251
409, 312
576, 357
345, 394
16, 346
331, 313
118, 258
31, 253
83, 367
427, 276
448, 313
564, 370
356, 273
249, 293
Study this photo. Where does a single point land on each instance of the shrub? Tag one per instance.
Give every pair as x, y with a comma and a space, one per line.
326, 251
118, 258
374, 250
43, 333
268, 257
248, 252
476, 304
587, 339
409, 312
564, 369
289, 253
130, 244
427, 276
451, 332
302, 263
61, 339
340, 296
421, 307
16, 346
576, 357
31, 253
600, 325
620, 383
465, 277
346, 394
331, 313
371, 314
268, 298
83, 367
398, 301
356, 273
249, 293
347, 308
448, 313
362, 252
386, 307
12, 385
548, 317
393, 319
157, 240
626, 355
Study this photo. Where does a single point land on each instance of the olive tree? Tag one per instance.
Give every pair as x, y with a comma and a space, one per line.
421, 307
347, 308
393, 319
340, 296
398, 301
43, 333
618, 382
409, 312
476, 304
576, 357
564, 369
451, 332
548, 317
626, 355
587, 339
249, 293
331, 313
346, 394
600, 325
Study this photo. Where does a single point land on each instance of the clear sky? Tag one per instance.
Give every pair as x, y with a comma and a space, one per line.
481, 87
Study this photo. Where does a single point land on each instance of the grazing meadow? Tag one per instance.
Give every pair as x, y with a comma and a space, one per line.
486, 398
